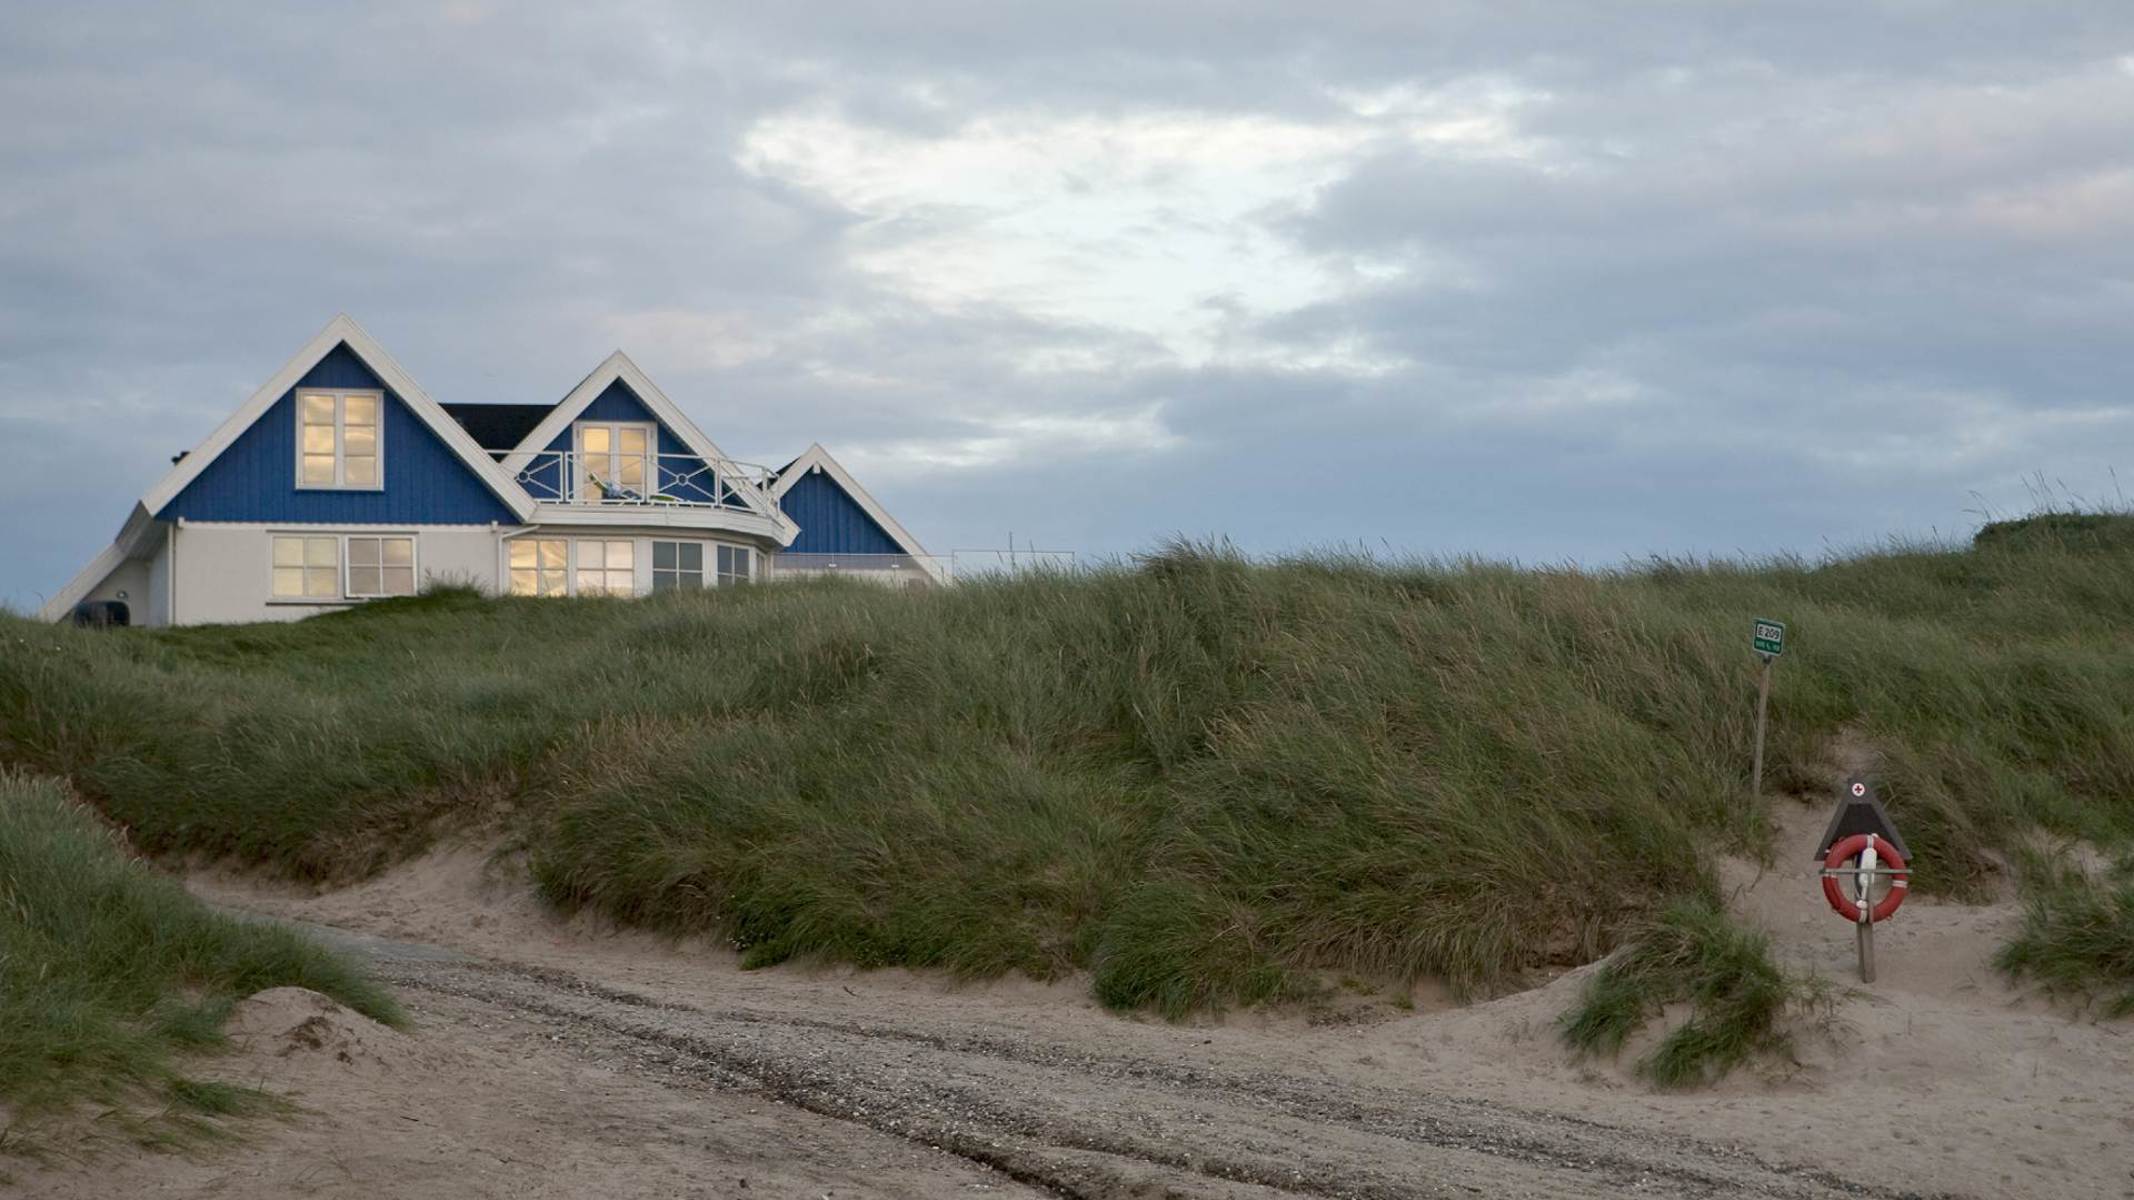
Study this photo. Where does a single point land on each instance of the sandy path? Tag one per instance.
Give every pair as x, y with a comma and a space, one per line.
1109, 1120
480, 1103
594, 1062
534, 1081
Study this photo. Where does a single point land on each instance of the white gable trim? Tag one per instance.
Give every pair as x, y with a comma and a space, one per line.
132, 540
98, 570
618, 367
341, 329
816, 457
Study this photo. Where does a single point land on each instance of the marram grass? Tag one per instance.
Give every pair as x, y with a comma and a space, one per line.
1203, 780
110, 972
1692, 953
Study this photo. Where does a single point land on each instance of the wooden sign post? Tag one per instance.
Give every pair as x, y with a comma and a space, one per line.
1769, 639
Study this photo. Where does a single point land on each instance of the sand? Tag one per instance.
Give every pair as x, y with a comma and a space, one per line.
468, 1112
565, 1059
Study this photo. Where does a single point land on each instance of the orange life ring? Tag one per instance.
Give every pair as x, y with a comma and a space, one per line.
1849, 848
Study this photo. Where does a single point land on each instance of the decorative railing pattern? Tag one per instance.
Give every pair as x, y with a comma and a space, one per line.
569, 477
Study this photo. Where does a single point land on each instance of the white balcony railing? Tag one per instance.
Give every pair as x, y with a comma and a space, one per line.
1021, 560
914, 569
896, 570
570, 477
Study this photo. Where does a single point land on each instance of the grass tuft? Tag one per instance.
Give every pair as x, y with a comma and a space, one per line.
2077, 937
1692, 953
109, 971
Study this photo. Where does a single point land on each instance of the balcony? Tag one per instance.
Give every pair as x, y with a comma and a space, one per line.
640, 481
891, 570
921, 570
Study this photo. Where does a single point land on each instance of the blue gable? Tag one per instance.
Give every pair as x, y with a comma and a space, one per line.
832, 522
681, 473
255, 477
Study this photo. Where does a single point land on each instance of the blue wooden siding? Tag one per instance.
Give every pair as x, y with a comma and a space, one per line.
255, 477
832, 522
681, 473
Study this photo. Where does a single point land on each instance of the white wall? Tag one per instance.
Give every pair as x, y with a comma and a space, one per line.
224, 573
132, 578
158, 610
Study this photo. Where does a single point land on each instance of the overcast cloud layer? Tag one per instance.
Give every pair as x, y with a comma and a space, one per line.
1516, 279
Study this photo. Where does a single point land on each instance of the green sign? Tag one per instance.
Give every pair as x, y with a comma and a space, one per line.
1769, 637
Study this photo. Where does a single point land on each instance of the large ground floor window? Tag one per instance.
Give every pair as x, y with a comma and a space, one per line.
540, 567
677, 565
737, 564
607, 567
307, 568
310, 566
381, 566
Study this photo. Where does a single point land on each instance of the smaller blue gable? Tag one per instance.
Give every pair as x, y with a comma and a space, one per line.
680, 474
831, 521
254, 479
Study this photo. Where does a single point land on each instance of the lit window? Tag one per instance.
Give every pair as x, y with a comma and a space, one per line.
677, 565
381, 566
737, 564
607, 568
338, 439
614, 462
307, 568
540, 567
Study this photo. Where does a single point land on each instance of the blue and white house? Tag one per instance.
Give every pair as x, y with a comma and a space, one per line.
340, 480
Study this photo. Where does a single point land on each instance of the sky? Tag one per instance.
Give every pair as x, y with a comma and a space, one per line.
1546, 281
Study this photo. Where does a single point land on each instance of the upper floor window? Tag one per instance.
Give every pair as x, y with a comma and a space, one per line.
614, 461
338, 440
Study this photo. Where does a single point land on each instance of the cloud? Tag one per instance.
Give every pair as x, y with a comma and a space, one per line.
1530, 278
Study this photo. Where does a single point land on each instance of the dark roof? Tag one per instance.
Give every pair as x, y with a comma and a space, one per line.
499, 428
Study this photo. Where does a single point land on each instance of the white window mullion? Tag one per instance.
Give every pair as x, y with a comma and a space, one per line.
326, 467
539, 567
604, 567
305, 567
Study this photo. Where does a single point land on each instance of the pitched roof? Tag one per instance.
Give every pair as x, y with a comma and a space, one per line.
618, 366
817, 458
498, 428
133, 539
342, 330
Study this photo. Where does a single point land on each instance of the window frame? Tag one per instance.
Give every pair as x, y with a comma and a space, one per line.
702, 575
340, 398
578, 565
569, 576
725, 578
343, 593
414, 567
305, 567
614, 455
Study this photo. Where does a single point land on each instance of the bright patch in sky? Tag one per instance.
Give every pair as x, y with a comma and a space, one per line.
1161, 225
1138, 431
